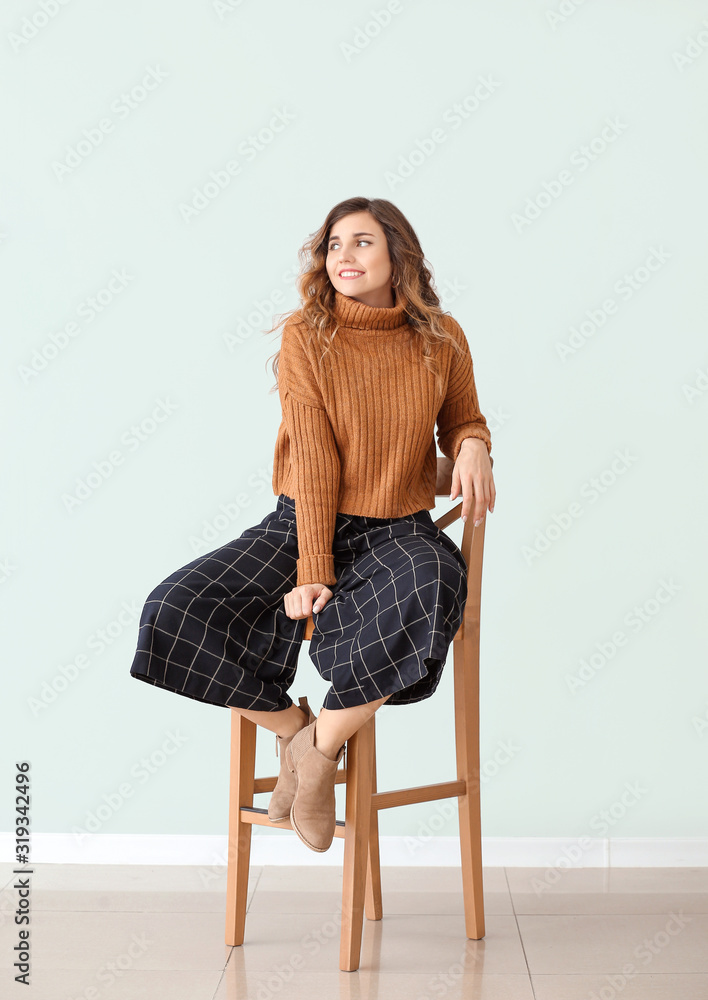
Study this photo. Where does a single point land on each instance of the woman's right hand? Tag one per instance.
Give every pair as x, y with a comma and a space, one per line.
300, 600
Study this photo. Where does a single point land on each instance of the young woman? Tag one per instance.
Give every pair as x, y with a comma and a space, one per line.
367, 365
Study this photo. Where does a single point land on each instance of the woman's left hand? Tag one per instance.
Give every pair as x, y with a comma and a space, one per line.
472, 476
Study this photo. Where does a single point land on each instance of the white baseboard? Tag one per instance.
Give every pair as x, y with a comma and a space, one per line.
284, 848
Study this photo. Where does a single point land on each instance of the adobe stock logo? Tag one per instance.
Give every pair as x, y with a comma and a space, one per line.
87, 310
225, 7
625, 288
132, 438
221, 177
363, 36
696, 45
455, 116
593, 490
694, 390
565, 10
580, 160
122, 107
31, 25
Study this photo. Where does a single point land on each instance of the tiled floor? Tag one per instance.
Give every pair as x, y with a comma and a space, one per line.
143, 933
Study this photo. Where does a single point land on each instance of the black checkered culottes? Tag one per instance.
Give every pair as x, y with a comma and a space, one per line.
216, 630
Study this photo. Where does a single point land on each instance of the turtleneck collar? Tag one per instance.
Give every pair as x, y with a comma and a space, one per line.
355, 315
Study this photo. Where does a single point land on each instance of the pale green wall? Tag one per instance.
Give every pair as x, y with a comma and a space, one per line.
556, 424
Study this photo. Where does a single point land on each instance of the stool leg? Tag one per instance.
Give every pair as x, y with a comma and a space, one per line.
357, 826
467, 752
374, 903
241, 778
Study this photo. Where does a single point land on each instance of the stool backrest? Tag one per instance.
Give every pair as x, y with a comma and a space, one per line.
472, 544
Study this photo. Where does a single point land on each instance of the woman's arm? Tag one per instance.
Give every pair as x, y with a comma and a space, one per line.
460, 416
463, 436
314, 459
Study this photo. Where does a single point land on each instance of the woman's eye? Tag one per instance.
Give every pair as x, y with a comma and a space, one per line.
333, 245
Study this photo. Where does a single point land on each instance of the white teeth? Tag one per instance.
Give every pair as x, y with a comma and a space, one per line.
353, 274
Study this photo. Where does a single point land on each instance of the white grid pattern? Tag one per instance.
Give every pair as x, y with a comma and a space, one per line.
216, 629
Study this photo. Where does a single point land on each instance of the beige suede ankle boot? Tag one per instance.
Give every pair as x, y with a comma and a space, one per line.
284, 791
312, 814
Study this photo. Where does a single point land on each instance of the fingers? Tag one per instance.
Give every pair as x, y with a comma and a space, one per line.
293, 604
299, 605
301, 601
476, 483
325, 595
481, 502
468, 494
455, 488
486, 498
477, 497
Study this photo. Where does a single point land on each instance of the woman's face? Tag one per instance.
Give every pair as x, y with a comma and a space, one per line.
358, 263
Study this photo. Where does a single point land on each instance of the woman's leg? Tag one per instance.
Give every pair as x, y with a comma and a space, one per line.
216, 629
335, 726
313, 757
286, 722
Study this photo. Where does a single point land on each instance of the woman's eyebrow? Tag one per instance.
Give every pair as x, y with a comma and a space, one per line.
353, 234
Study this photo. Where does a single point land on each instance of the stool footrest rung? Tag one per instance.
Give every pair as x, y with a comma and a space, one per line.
420, 793
259, 817
379, 800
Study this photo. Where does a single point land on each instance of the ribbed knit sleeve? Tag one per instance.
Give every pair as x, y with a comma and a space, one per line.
459, 416
314, 458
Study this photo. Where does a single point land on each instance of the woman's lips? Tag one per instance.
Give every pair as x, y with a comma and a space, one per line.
351, 277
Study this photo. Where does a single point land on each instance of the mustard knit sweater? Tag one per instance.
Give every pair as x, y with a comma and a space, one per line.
358, 436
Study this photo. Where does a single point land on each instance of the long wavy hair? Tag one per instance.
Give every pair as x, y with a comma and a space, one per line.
415, 286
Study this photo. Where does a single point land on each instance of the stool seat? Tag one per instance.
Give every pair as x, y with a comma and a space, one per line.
361, 881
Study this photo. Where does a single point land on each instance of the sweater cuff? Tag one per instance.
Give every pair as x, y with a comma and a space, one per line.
483, 435
317, 568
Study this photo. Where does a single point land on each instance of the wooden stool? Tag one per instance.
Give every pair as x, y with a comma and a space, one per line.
361, 883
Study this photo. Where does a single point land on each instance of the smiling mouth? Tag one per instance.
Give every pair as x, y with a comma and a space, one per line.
350, 274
